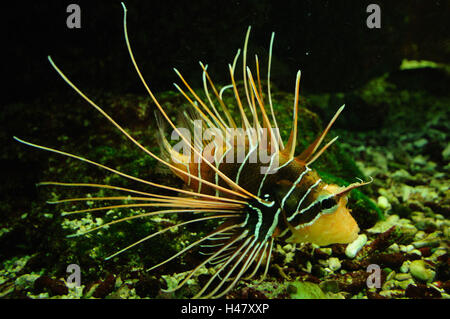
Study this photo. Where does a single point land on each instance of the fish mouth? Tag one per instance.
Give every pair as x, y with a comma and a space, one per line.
337, 228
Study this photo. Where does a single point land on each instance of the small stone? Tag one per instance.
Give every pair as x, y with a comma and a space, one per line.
420, 235
327, 250
26, 281
392, 293
440, 251
447, 231
388, 285
420, 160
405, 283
420, 142
383, 203
421, 270
432, 240
415, 252
422, 291
404, 268
334, 263
354, 247
446, 152
391, 276
330, 286
402, 277
384, 225
401, 175
394, 248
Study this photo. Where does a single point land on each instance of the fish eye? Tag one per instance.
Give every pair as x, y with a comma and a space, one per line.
328, 203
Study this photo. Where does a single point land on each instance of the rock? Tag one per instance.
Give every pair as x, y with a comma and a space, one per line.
421, 142
421, 291
401, 175
428, 194
309, 290
406, 249
26, 280
392, 293
401, 276
384, 225
406, 191
432, 240
446, 152
415, 251
326, 250
391, 275
404, 268
419, 160
334, 263
405, 283
55, 286
421, 271
354, 247
420, 235
388, 285
440, 251
388, 194
383, 203
394, 248
329, 286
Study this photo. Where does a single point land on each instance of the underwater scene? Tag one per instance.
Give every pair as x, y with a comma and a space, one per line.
233, 149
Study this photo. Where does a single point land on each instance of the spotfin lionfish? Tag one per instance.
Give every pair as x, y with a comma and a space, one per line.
255, 200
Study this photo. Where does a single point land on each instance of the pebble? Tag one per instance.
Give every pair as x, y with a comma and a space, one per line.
405, 283
394, 248
327, 251
401, 277
334, 263
330, 286
420, 235
420, 142
388, 285
419, 160
416, 252
384, 225
26, 280
383, 203
404, 268
392, 293
391, 276
406, 249
432, 240
421, 270
440, 251
354, 247
401, 175
446, 152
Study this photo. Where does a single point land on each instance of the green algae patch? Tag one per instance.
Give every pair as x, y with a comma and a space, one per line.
309, 290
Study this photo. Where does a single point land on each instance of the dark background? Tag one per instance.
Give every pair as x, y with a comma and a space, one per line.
328, 40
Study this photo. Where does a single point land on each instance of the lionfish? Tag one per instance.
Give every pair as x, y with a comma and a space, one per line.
255, 199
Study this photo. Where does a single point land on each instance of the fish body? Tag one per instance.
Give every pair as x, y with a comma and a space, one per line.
236, 170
